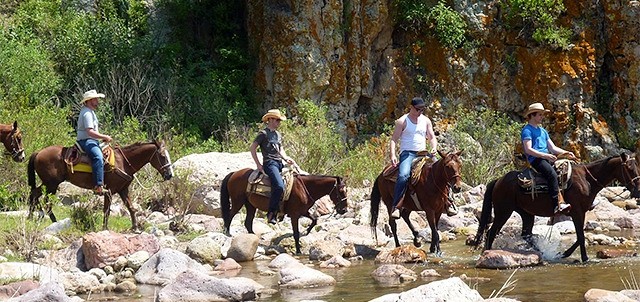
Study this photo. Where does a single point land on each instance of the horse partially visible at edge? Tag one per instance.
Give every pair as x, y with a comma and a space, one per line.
304, 193
11, 138
431, 191
504, 196
50, 166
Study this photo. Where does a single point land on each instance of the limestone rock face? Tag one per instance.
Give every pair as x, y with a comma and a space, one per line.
353, 56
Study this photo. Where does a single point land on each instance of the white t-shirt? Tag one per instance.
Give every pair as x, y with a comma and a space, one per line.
414, 136
86, 119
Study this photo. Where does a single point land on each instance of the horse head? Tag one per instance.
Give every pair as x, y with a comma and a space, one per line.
452, 165
161, 160
339, 196
13, 143
630, 173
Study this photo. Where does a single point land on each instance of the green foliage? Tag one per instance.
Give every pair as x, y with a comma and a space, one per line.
84, 216
542, 15
311, 139
488, 139
364, 162
448, 25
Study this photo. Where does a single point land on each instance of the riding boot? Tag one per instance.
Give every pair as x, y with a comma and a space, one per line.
562, 206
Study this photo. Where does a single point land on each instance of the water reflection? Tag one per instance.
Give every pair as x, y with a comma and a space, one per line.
559, 280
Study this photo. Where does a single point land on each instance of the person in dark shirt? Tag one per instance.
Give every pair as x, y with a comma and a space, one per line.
273, 155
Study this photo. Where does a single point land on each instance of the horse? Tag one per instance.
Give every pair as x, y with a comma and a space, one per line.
50, 166
504, 196
305, 191
11, 138
432, 192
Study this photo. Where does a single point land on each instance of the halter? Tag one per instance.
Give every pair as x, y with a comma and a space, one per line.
335, 185
625, 174
449, 180
148, 160
14, 153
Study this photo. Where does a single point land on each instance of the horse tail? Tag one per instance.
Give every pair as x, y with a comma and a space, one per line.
485, 216
225, 204
375, 205
31, 171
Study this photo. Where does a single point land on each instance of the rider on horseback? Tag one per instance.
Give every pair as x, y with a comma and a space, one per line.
540, 152
88, 136
412, 130
270, 142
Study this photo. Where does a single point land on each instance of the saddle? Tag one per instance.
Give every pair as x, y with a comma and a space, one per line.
78, 161
260, 184
391, 172
532, 182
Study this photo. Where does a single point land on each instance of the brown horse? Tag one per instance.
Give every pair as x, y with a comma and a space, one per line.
505, 196
432, 191
11, 138
52, 169
306, 190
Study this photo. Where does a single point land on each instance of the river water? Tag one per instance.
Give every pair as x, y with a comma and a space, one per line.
556, 280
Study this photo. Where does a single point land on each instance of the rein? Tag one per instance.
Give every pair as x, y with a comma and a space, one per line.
14, 142
448, 181
625, 174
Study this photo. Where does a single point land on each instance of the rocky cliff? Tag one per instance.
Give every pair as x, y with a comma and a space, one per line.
351, 55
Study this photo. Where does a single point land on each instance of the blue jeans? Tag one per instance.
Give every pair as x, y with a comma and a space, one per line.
92, 148
273, 168
404, 172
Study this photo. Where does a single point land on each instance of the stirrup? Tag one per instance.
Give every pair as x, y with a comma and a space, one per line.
98, 190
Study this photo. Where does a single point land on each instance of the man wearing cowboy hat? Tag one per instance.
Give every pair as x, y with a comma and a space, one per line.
88, 136
540, 152
270, 142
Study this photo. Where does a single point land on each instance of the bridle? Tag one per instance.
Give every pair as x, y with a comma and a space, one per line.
15, 145
336, 186
155, 155
625, 175
450, 180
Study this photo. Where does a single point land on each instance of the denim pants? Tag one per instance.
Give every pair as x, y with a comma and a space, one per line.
404, 172
92, 148
273, 168
547, 170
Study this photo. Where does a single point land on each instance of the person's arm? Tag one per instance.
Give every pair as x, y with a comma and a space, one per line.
286, 157
97, 135
254, 155
431, 136
397, 131
528, 149
557, 150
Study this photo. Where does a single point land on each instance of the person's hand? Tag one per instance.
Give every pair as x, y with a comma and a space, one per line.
394, 160
290, 161
550, 157
260, 168
433, 152
107, 138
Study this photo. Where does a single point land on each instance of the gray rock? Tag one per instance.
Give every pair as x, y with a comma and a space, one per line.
204, 250
48, 292
197, 286
243, 247
303, 277
165, 266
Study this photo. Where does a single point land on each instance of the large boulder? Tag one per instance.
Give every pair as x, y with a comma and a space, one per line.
452, 289
197, 286
21, 270
103, 248
243, 247
50, 291
164, 266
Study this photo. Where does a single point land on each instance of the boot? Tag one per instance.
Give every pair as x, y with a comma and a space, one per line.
562, 206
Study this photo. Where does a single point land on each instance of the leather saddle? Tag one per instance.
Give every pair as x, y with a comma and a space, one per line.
78, 161
390, 172
532, 182
260, 184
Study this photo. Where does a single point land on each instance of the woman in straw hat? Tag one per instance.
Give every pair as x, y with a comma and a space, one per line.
540, 152
88, 135
273, 154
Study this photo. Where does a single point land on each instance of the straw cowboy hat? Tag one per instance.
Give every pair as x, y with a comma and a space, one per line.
535, 107
273, 113
91, 94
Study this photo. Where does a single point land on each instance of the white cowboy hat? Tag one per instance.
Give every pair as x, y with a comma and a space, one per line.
535, 107
91, 94
273, 113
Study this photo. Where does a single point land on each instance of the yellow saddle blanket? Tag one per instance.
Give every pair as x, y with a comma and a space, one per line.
78, 161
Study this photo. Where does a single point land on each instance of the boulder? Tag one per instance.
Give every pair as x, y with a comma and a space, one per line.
507, 259
164, 266
197, 286
103, 248
243, 247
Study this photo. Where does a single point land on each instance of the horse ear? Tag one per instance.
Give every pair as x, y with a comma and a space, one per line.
442, 155
624, 156
459, 152
15, 125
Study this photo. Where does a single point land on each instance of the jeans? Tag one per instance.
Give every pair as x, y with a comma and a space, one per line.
547, 170
404, 172
92, 148
273, 168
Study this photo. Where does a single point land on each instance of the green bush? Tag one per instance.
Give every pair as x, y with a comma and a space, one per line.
542, 16
448, 25
488, 139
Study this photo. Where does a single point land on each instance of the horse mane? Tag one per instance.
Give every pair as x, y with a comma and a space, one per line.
135, 145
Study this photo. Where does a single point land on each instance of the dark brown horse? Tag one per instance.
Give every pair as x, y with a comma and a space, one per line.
11, 138
504, 196
306, 190
52, 170
432, 191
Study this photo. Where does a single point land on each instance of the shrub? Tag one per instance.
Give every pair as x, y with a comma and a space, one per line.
488, 139
542, 16
448, 25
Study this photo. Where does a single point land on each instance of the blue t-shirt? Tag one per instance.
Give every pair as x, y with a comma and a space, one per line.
538, 137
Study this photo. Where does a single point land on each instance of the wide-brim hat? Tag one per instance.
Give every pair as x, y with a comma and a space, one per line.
91, 94
273, 113
535, 107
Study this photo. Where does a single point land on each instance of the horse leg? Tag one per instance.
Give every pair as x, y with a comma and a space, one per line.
251, 213
314, 221
48, 206
527, 227
296, 232
405, 216
34, 204
580, 241
498, 223
435, 237
106, 211
124, 195
394, 231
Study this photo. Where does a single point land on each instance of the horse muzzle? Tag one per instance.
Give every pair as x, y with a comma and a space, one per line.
18, 156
